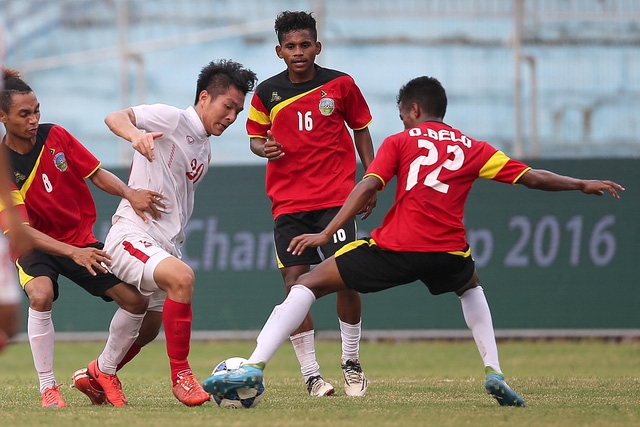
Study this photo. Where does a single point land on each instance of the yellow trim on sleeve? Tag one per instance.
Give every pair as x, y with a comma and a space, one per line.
365, 126
258, 116
520, 175
16, 199
494, 165
94, 171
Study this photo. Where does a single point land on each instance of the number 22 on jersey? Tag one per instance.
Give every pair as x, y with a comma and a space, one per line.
431, 158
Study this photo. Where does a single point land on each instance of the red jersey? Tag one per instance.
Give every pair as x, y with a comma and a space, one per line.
51, 185
310, 120
436, 166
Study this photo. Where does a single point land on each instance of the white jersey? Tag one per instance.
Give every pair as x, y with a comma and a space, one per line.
182, 156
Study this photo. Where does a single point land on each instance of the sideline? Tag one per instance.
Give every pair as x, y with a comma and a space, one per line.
389, 335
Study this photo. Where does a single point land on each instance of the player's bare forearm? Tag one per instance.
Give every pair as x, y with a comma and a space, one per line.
109, 183
90, 258
48, 244
20, 240
358, 198
364, 146
141, 200
540, 179
268, 148
257, 146
122, 123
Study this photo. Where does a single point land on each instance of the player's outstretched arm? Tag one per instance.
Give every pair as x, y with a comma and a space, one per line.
358, 198
540, 179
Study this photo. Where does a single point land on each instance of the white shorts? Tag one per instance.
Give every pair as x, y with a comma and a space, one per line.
10, 290
134, 257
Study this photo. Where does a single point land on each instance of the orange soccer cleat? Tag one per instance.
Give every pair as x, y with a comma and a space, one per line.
85, 384
51, 398
189, 391
110, 384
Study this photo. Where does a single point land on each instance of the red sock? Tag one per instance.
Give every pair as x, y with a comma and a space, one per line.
177, 318
133, 351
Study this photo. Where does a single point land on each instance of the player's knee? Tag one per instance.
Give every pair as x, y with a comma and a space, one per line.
128, 298
182, 281
139, 304
40, 299
349, 296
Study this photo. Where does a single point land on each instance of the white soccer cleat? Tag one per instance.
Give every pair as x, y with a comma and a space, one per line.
355, 383
318, 387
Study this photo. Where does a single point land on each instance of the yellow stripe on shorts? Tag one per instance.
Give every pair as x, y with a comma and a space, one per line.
23, 277
352, 245
464, 254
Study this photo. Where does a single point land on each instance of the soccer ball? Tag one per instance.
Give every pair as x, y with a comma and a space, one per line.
245, 397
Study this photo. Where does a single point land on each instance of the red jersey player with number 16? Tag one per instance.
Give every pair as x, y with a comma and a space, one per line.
298, 120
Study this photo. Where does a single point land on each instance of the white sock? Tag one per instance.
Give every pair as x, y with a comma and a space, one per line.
304, 346
478, 317
350, 335
41, 339
123, 332
284, 319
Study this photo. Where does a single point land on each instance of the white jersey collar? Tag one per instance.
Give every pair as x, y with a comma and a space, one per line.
197, 124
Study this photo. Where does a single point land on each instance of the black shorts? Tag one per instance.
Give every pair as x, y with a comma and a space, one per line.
365, 267
36, 263
288, 226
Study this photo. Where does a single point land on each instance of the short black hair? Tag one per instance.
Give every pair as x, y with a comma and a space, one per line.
288, 21
218, 76
13, 85
427, 92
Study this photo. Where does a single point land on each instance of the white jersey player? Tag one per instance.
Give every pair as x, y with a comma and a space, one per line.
182, 156
172, 155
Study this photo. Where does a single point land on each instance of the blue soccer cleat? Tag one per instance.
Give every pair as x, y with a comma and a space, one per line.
245, 376
498, 388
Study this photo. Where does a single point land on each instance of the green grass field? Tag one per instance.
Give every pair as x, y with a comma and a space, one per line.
564, 383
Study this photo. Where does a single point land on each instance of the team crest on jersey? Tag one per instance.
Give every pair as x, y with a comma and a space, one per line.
190, 140
60, 161
326, 106
275, 97
19, 177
